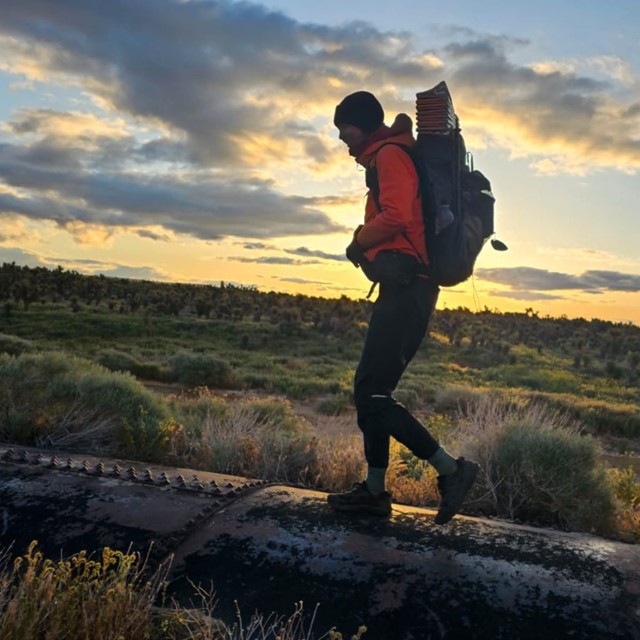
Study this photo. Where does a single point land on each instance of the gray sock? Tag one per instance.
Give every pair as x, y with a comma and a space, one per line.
443, 463
375, 480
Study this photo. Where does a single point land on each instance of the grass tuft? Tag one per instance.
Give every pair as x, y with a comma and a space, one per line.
81, 597
14, 346
536, 467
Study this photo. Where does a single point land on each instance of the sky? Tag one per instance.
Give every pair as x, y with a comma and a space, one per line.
192, 140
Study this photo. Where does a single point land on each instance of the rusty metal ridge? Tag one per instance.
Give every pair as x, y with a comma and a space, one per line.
220, 491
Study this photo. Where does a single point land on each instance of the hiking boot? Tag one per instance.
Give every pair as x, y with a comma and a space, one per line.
454, 488
361, 500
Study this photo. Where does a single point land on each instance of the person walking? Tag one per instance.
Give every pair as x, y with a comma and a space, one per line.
393, 229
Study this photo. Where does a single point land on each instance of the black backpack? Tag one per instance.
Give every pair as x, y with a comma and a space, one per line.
450, 187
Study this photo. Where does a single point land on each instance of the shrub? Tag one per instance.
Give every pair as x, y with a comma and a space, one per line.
51, 398
256, 438
149, 440
626, 488
600, 416
456, 396
334, 405
113, 598
537, 467
338, 463
536, 378
149, 370
408, 397
409, 479
198, 369
117, 360
77, 598
13, 345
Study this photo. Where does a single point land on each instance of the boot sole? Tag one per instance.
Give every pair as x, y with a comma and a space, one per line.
372, 511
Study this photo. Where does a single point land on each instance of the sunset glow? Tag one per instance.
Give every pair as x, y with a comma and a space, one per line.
193, 141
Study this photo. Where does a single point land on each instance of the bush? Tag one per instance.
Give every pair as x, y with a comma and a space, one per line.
626, 488
13, 345
149, 440
115, 360
256, 438
51, 398
537, 467
456, 396
338, 462
535, 378
197, 369
599, 416
334, 405
77, 598
113, 598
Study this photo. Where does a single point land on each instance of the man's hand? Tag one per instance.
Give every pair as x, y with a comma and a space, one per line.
355, 252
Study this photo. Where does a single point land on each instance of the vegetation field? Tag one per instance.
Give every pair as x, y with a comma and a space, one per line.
233, 380
260, 384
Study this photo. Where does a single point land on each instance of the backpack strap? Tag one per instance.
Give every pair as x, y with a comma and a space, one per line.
424, 192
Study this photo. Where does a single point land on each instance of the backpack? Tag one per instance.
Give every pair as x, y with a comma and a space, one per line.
457, 202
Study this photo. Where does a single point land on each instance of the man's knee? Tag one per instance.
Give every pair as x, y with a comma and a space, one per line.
368, 403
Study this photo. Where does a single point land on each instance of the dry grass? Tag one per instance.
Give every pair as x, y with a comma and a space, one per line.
252, 439
200, 623
536, 466
339, 463
626, 488
109, 599
410, 480
79, 599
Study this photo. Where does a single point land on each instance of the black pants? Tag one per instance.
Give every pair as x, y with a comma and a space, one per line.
398, 325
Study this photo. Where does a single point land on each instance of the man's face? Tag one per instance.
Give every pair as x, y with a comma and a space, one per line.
353, 137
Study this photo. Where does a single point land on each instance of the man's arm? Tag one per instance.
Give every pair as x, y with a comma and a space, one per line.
398, 183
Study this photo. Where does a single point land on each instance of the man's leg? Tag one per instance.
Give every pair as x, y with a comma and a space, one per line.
398, 325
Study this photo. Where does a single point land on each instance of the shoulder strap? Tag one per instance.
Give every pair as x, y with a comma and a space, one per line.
371, 172
424, 190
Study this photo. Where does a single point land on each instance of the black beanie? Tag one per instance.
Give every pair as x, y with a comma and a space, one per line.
360, 109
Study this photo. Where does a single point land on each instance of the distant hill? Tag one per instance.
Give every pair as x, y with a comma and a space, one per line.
20, 287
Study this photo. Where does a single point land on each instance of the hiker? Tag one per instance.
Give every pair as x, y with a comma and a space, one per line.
400, 313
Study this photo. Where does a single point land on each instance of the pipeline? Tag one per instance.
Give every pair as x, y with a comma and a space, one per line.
268, 546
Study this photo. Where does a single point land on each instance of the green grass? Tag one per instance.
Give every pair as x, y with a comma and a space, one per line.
536, 466
309, 355
53, 398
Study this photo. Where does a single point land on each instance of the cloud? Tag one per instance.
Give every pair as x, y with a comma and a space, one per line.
300, 251
19, 256
273, 260
85, 266
303, 251
134, 273
576, 122
231, 76
60, 185
193, 110
305, 281
51, 123
525, 295
531, 279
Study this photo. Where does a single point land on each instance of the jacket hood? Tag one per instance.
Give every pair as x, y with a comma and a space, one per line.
400, 132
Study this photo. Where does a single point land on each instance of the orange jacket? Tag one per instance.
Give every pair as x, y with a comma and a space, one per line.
400, 204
